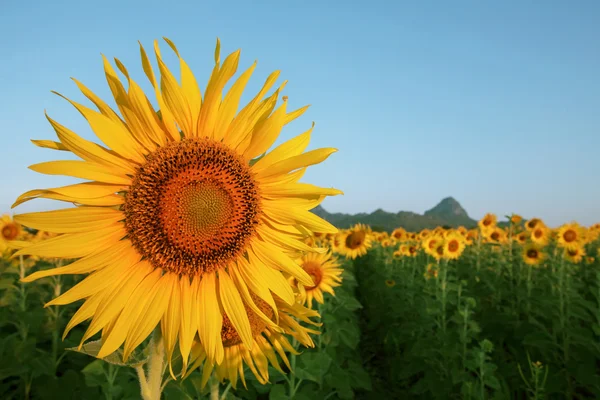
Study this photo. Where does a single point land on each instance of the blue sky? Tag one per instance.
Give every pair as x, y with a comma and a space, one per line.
496, 103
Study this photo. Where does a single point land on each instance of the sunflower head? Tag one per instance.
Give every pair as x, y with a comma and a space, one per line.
540, 234
515, 219
357, 241
431, 271
487, 222
390, 283
531, 224
454, 245
325, 271
570, 236
574, 254
533, 254
9, 231
189, 216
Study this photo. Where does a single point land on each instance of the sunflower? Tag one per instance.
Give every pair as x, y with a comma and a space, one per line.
424, 234
357, 241
430, 243
431, 271
540, 234
521, 237
413, 250
531, 224
9, 231
497, 235
326, 274
269, 341
574, 254
399, 234
390, 283
487, 222
454, 245
515, 219
532, 254
184, 215
570, 236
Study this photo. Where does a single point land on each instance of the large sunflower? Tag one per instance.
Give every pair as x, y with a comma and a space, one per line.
185, 218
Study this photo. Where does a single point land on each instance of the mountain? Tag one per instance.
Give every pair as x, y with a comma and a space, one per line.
447, 212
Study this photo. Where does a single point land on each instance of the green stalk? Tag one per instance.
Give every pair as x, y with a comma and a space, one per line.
151, 386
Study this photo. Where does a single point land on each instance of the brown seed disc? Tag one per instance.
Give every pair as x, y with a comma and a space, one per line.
355, 239
229, 335
453, 245
192, 207
10, 231
570, 236
532, 253
313, 269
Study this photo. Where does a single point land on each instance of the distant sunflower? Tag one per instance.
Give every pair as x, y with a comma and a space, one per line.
487, 222
390, 283
454, 246
9, 230
424, 234
431, 271
540, 235
570, 236
357, 241
413, 250
399, 234
531, 224
269, 342
516, 219
521, 237
430, 244
497, 235
326, 274
532, 254
574, 254
185, 220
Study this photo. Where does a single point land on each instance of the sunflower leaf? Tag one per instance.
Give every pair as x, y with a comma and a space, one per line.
138, 358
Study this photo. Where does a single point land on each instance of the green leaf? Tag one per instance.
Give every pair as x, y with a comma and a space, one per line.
138, 358
278, 392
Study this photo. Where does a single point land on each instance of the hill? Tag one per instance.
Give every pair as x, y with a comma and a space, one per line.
447, 212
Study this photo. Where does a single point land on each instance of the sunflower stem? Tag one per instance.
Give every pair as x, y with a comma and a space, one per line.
214, 388
151, 387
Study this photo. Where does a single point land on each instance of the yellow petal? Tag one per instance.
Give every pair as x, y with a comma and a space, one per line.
99, 280
136, 302
303, 190
113, 134
265, 134
75, 245
70, 220
230, 105
86, 311
234, 307
83, 170
212, 98
49, 144
271, 255
292, 147
210, 319
93, 262
189, 317
174, 97
151, 314
114, 300
171, 321
303, 160
271, 277
90, 151
248, 273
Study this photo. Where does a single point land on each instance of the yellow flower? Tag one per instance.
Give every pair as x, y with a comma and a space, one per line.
540, 234
521, 237
390, 283
9, 230
570, 236
399, 234
574, 254
268, 342
515, 219
488, 222
357, 241
185, 219
497, 235
531, 224
532, 254
431, 271
454, 245
326, 274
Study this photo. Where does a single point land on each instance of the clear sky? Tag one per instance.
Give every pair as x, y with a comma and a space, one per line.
496, 103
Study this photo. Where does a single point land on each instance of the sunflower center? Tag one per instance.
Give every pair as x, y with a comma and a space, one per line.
532, 253
229, 335
355, 240
313, 269
495, 236
453, 246
570, 236
192, 207
10, 231
538, 233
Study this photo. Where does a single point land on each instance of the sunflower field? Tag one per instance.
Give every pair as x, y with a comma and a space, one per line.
188, 264
493, 312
